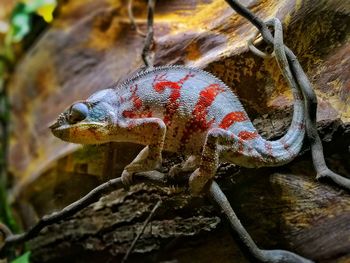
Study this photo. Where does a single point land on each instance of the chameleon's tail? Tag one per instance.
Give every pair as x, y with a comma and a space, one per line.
286, 148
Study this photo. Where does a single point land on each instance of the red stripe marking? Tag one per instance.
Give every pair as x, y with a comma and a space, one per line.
129, 114
247, 135
146, 113
160, 84
206, 98
137, 102
232, 117
198, 122
187, 76
136, 111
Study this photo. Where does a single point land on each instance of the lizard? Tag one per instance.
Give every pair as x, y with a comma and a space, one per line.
179, 109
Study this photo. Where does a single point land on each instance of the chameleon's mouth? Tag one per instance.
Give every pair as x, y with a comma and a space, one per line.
59, 123
86, 133
63, 126
55, 125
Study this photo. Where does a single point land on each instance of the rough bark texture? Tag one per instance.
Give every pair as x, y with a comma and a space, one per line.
91, 45
284, 208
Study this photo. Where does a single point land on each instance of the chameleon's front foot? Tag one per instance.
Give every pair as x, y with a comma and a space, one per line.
127, 178
146, 160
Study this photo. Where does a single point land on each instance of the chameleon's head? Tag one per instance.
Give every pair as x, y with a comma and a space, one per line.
88, 122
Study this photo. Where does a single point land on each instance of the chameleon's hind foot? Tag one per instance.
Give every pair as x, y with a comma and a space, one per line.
199, 182
181, 170
178, 170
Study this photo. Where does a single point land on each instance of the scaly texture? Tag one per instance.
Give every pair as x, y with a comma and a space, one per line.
178, 109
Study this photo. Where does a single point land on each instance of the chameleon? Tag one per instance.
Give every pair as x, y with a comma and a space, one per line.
183, 110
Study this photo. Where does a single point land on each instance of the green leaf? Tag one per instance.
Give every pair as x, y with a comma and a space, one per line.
23, 258
43, 8
20, 23
22, 13
21, 26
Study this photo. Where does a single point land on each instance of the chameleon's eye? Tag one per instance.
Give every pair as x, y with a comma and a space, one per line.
78, 112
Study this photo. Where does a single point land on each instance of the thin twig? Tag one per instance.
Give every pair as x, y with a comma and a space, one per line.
125, 258
132, 19
70, 210
4, 233
257, 51
260, 255
147, 52
131, 14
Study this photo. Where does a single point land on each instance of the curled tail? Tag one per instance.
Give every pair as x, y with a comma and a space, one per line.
286, 148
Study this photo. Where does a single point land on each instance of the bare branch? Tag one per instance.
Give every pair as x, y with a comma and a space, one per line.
147, 52
125, 258
272, 256
132, 19
153, 177
309, 95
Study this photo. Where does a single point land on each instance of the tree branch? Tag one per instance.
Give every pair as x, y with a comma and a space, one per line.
132, 19
309, 95
147, 52
153, 177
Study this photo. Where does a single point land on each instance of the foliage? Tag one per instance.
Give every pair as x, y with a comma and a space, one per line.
21, 16
23, 258
20, 24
